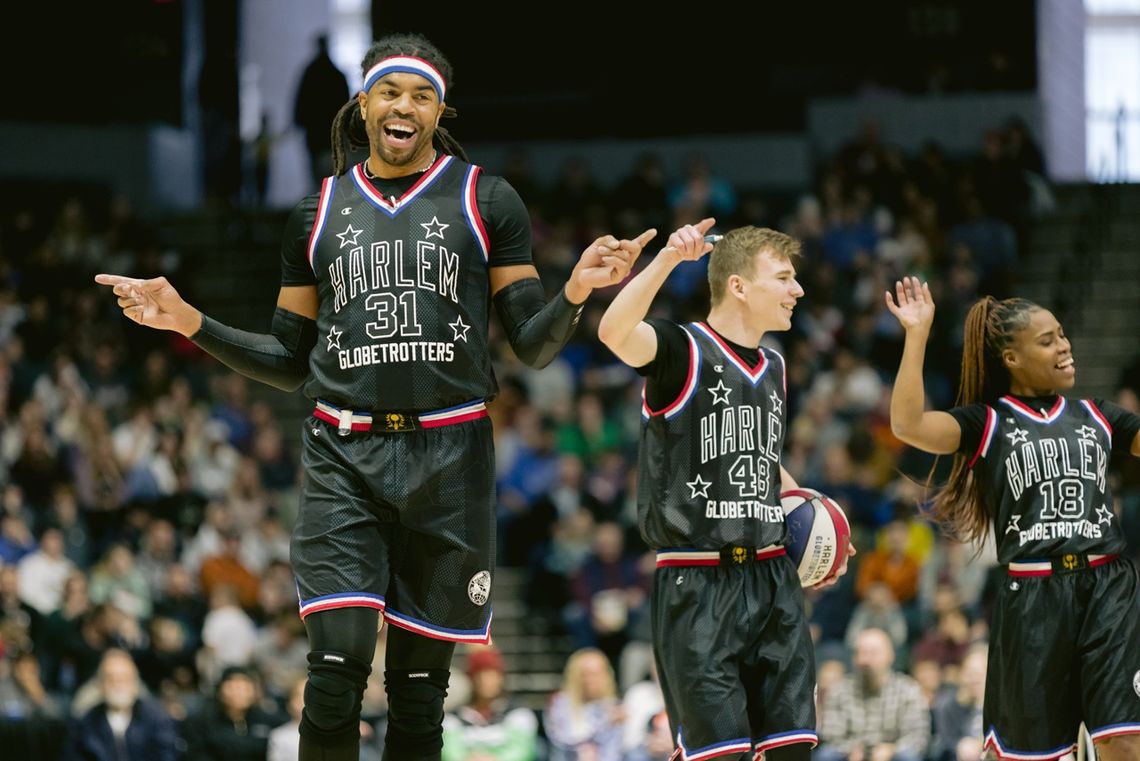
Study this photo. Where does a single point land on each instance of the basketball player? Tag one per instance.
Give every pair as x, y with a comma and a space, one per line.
1065, 642
388, 276
730, 636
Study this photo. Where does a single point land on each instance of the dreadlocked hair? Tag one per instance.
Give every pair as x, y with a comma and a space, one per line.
991, 326
348, 131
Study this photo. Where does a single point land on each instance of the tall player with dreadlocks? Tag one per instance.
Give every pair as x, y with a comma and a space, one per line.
1065, 640
388, 275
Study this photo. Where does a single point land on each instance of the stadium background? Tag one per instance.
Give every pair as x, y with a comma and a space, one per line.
984, 146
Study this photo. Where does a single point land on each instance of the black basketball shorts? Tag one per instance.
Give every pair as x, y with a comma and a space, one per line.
1065, 648
400, 522
734, 657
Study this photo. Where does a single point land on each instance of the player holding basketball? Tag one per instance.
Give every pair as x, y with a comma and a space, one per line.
1065, 643
730, 636
388, 278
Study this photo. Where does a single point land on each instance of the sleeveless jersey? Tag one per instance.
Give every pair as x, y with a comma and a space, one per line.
709, 463
1043, 474
404, 293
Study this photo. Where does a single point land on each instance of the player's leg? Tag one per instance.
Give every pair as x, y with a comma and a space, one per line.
697, 619
342, 643
779, 673
1032, 702
416, 676
1110, 660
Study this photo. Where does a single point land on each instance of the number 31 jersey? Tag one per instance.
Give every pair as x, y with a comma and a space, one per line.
1044, 478
404, 293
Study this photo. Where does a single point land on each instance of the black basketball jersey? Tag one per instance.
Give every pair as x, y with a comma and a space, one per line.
709, 463
1044, 477
404, 293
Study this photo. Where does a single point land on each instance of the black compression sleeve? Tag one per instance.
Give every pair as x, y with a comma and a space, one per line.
279, 358
537, 329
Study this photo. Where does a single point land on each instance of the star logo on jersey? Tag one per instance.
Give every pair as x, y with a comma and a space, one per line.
334, 338
1087, 432
777, 403
1018, 436
1013, 524
720, 393
1104, 514
434, 228
460, 329
348, 237
699, 487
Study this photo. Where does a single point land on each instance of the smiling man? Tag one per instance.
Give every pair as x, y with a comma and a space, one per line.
388, 276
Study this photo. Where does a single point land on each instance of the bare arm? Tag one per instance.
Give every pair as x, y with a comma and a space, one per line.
622, 328
935, 432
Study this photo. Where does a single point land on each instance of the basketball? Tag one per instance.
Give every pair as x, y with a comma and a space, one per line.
818, 534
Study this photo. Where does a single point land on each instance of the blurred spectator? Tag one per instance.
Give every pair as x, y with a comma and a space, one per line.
19, 622
491, 727
946, 644
700, 193
878, 610
280, 654
891, 565
231, 726
42, 573
285, 739
124, 726
322, 91
158, 551
876, 713
22, 693
226, 569
228, 634
958, 728
642, 703
584, 718
117, 581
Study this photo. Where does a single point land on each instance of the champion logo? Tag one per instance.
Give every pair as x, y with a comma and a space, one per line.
346, 210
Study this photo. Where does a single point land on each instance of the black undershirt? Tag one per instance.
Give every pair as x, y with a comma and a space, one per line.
503, 212
666, 373
972, 420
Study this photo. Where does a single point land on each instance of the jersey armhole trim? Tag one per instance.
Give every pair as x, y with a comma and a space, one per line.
471, 212
687, 390
1099, 417
328, 185
987, 436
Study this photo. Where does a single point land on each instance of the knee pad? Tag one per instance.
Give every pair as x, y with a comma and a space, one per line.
332, 697
415, 711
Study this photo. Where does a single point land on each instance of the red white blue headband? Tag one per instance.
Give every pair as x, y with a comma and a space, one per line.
408, 65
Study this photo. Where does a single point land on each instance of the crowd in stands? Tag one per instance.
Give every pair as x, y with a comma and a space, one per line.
147, 606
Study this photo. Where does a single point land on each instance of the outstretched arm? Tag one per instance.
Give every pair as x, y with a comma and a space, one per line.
935, 432
622, 328
538, 329
279, 358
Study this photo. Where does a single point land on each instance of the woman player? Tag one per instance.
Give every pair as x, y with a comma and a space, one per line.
1065, 639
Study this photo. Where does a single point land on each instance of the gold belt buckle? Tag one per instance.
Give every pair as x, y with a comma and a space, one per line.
395, 422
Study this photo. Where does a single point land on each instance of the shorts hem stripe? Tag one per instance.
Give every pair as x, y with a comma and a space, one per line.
477, 636
341, 600
1114, 730
787, 738
1004, 754
739, 745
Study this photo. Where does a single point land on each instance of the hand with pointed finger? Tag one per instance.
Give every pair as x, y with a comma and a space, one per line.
153, 303
688, 243
608, 261
913, 305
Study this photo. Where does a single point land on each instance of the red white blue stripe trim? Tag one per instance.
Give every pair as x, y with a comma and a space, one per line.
992, 743
327, 188
754, 374
1045, 567
682, 558
451, 415
1023, 409
471, 212
477, 636
785, 738
783, 365
1114, 730
687, 391
386, 205
987, 435
406, 64
1100, 419
341, 600
726, 748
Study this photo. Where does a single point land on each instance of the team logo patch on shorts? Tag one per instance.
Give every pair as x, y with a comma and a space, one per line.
479, 588
1136, 683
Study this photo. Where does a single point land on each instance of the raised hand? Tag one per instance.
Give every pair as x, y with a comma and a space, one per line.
688, 241
607, 261
153, 303
913, 306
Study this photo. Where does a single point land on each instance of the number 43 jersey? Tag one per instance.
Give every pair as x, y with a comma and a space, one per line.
1043, 474
709, 462
404, 292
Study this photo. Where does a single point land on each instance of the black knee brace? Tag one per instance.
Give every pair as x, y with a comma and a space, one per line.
415, 712
332, 698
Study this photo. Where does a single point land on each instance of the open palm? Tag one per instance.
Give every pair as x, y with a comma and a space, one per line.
912, 303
